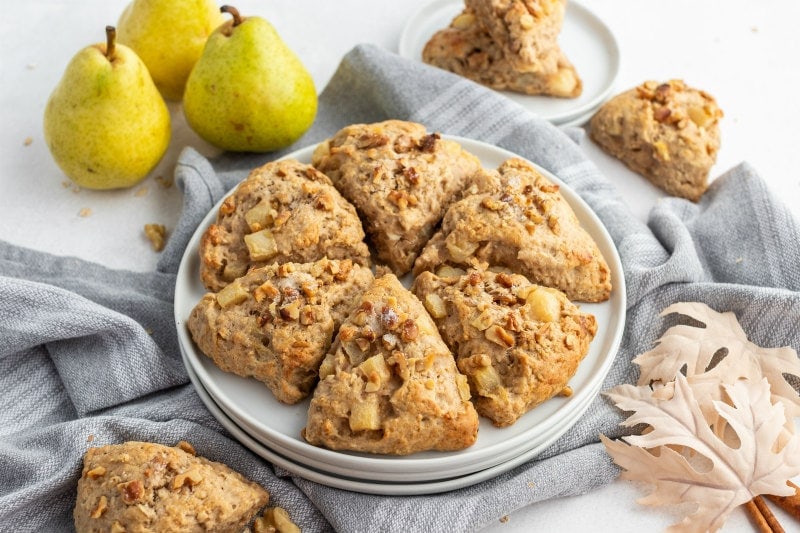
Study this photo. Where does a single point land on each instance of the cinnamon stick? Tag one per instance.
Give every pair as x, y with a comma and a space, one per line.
758, 519
790, 504
767, 514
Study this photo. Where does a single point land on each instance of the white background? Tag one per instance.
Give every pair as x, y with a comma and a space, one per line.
745, 53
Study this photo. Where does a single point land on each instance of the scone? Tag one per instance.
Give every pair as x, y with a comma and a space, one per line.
401, 180
151, 488
667, 132
517, 343
285, 211
389, 384
467, 49
276, 323
517, 219
524, 29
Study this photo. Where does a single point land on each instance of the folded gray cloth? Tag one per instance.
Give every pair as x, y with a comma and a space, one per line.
89, 356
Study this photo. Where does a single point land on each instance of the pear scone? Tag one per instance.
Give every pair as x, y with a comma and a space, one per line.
401, 180
389, 384
148, 487
276, 323
524, 29
667, 132
466, 48
517, 343
284, 211
518, 219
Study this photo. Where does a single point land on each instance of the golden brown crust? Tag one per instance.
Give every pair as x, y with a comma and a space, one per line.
465, 48
400, 178
148, 487
389, 384
285, 211
667, 132
524, 29
518, 219
517, 343
276, 323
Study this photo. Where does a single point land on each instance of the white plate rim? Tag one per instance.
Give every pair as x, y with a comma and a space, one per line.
385, 488
439, 460
411, 43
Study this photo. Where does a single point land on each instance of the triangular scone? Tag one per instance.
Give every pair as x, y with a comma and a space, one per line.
524, 29
148, 487
389, 384
465, 48
285, 211
400, 178
277, 322
524, 224
667, 132
517, 343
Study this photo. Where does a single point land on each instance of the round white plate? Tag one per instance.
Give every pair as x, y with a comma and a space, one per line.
584, 38
384, 488
280, 424
351, 472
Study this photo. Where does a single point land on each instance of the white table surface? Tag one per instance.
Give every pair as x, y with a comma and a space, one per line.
742, 52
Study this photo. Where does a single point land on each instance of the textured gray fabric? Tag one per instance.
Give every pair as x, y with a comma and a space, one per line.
85, 350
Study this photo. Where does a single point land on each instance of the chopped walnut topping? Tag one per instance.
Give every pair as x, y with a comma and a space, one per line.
372, 140
411, 175
662, 114
189, 478
500, 336
307, 315
324, 202
504, 280
132, 491
428, 143
96, 472
409, 331
102, 505
492, 204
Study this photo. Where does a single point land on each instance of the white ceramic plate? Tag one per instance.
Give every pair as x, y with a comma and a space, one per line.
280, 425
584, 38
372, 485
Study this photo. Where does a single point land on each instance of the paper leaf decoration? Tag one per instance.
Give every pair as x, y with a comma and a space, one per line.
739, 471
695, 347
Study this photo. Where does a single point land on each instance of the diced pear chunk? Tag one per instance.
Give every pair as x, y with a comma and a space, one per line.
460, 251
231, 272
376, 366
363, 416
543, 305
327, 368
260, 216
435, 305
446, 271
232, 294
486, 380
261, 245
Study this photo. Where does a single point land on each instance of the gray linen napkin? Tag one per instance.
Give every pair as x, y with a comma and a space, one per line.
88, 355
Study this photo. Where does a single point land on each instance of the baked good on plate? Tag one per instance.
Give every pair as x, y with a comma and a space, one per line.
276, 322
518, 219
401, 180
667, 132
284, 211
389, 384
517, 343
467, 49
524, 29
148, 487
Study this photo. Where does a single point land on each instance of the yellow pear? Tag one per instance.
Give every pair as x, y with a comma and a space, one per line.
105, 123
249, 92
168, 35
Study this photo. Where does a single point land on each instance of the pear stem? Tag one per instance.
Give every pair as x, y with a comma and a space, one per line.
237, 18
111, 37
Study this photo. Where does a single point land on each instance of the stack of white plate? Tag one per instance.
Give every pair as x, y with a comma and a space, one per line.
273, 430
585, 39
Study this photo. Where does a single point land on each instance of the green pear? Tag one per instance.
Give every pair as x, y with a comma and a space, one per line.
249, 92
105, 123
168, 35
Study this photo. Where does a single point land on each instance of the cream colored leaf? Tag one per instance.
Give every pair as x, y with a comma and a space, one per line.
695, 348
758, 465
